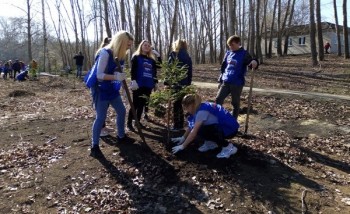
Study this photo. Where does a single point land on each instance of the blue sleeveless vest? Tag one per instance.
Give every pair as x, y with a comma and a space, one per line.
227, 122
145, 72
109, 89
235, 69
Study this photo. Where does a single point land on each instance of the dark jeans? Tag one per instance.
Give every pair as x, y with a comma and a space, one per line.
235, 92
139, 102
213, 133
14, 73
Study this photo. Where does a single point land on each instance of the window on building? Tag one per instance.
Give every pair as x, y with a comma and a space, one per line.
290, 42
275, 44
302, 40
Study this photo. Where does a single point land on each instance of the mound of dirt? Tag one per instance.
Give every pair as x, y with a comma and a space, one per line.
20, 93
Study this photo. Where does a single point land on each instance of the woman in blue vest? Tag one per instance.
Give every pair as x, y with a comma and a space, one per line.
210, 122
106, 91
233, 70
143, 78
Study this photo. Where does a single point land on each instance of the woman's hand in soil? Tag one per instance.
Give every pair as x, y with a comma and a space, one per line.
178, 140
176, 149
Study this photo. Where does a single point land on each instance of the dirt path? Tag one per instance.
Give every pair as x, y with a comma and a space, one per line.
279, 91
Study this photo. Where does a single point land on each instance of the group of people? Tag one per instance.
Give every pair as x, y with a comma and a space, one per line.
18, 70
208, 121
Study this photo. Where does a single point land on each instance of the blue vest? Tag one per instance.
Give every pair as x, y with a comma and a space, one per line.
227, 122
235, 68
21, 76
145, 72
109, 89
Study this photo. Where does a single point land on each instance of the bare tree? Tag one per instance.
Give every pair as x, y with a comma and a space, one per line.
319, 31
108, 28
337, 27
313, 33
345, 31
29, 30
272, 30
251, 48
287, 31
231, 5
44, 36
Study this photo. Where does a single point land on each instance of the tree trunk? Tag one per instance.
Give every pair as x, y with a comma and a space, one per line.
265, 27
271, 30
279, 29
231, 16
252, 28
75, 28
337, 27
345, 31
313, 33
122, 14
173, 25
148, 25
44, 34
319, 31
29, 31
286, 39
222, 36
106, 16
258, 36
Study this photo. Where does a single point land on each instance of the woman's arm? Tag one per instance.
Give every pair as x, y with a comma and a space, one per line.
102, 65
192, 134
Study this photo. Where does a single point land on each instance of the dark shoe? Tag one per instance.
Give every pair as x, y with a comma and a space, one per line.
96, 152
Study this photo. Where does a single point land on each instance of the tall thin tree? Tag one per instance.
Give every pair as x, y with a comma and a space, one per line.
319, 31
313, 33
345, 31
337, 29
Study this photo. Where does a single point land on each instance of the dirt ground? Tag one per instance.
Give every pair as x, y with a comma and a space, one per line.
296, 147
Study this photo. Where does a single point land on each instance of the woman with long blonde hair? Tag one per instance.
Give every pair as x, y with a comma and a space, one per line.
106, 92
143, 78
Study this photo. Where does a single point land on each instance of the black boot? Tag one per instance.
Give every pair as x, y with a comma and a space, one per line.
96, 152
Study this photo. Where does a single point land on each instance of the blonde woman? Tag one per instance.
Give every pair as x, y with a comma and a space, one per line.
107, 90
210, 122
181, 54
143, 78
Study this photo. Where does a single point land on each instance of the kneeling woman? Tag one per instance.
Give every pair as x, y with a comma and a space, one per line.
210, 122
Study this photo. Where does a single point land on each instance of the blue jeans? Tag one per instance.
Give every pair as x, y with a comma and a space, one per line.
79, 70
101, 107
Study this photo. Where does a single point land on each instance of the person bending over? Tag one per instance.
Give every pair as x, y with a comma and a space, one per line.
210, 122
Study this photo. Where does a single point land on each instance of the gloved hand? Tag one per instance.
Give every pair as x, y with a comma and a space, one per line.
119, 76
178, 140
134, 85
176, 149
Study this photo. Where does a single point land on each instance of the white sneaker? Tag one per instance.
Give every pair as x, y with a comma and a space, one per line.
104, 133
207, 145
227, 151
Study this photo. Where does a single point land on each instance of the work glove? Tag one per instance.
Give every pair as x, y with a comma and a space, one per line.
178, 140
119, 76
134, 86
176, 149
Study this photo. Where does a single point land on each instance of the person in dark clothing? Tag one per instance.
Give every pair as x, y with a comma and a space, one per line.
79, 61
6, 69
327, 46
180, 53
233, 70
143, 78
16, 67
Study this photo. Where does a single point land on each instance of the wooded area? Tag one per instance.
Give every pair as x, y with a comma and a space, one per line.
66, 27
